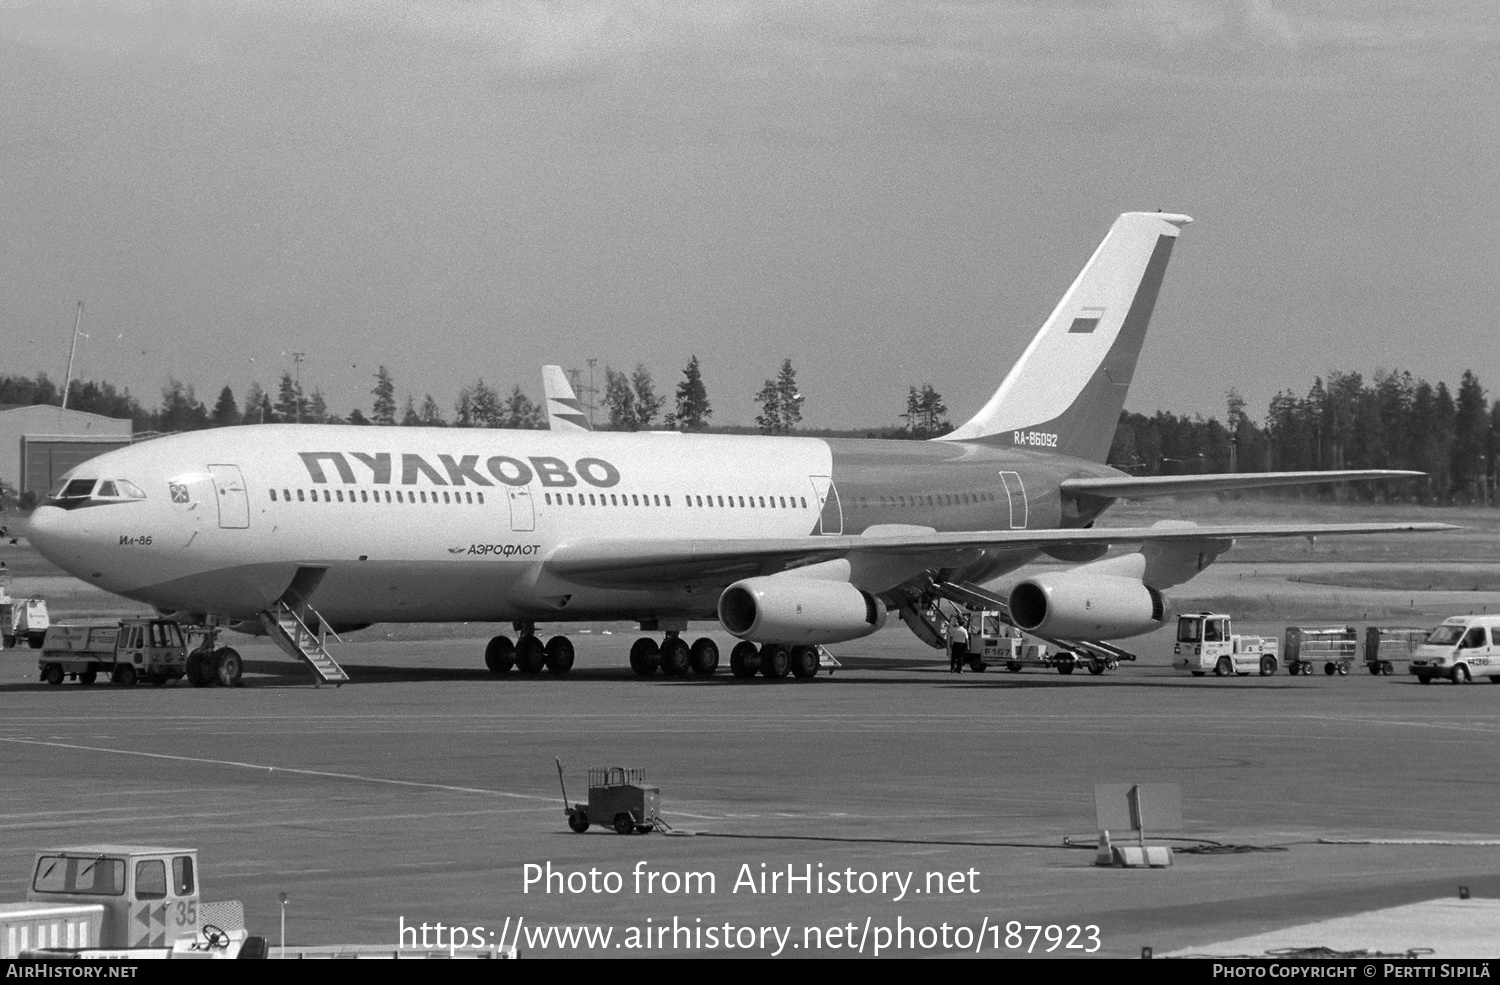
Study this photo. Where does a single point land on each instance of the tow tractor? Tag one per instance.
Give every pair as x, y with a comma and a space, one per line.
1205, 643
116, 902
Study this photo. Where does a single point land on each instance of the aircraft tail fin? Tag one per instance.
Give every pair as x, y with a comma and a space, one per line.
1066, 391
564, 412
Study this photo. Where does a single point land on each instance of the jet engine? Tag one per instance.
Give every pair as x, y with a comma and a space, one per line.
798, 610
1081, 604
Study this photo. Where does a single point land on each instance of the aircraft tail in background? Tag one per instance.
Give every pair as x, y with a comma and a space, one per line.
564, 412
1066, 391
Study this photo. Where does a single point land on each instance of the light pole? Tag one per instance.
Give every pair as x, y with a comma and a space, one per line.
591, 361
283, 924
297, 369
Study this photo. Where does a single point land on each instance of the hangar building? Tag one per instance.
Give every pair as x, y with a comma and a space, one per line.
39, 443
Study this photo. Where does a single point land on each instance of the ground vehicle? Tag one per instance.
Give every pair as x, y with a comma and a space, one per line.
618, 794
22, 619
103, 901
127, 651
1384, 645
994, 641
1459, 649
1204, 643
1334, 647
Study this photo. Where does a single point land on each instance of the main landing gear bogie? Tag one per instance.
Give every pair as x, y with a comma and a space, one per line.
673, 656
529, 655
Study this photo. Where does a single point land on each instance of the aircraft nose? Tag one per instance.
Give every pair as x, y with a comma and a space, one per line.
55, 533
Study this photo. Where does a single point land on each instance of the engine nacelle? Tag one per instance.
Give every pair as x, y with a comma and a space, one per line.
1080, 605
798, 611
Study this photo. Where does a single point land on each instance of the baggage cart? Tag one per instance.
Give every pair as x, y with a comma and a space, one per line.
619, 797
1333, 646
1385, 646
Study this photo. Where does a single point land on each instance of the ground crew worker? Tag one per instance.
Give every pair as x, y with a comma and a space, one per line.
958, 646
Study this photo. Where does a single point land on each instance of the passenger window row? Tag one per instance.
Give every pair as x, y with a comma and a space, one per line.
754, 502
923, 499
365, 496
610, 499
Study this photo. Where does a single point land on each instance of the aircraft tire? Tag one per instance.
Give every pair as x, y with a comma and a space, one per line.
228, 667
530, 655
675, 656
500, 655
803, 662
645, 656
52, 673
704, 657
559, 655
744, 659
775, 661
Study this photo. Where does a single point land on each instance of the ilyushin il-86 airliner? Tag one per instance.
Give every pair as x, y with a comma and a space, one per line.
297, 531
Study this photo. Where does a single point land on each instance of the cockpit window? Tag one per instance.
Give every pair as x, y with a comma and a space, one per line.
110, 489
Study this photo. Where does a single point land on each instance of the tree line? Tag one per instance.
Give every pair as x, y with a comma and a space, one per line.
1392, 421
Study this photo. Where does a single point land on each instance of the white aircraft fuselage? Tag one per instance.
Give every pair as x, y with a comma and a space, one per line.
438, 524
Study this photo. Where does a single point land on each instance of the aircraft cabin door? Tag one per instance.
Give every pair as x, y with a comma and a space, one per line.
522, 509
234, 501
826, 495
1016, 494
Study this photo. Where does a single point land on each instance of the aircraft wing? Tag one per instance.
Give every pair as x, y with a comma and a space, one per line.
621, 563
1139, 487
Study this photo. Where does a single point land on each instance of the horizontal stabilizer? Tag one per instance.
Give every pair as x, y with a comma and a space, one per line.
1140, 487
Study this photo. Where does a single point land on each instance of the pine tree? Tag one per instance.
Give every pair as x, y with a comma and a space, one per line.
384, 410
290, 404
693, 410
431, 415
409, 417
226, 412
317, 409
781, 403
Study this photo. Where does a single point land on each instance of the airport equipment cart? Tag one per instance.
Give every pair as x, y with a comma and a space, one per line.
1387, 645
617, 796
1334, 647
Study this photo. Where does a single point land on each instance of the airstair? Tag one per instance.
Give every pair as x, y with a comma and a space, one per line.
291, 632
966, 593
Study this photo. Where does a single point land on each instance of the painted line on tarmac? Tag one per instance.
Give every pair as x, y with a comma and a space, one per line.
281, 769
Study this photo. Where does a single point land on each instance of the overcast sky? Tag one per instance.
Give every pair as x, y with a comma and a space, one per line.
888, 193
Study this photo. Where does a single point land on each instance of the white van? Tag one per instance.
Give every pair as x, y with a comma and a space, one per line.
1462, 648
